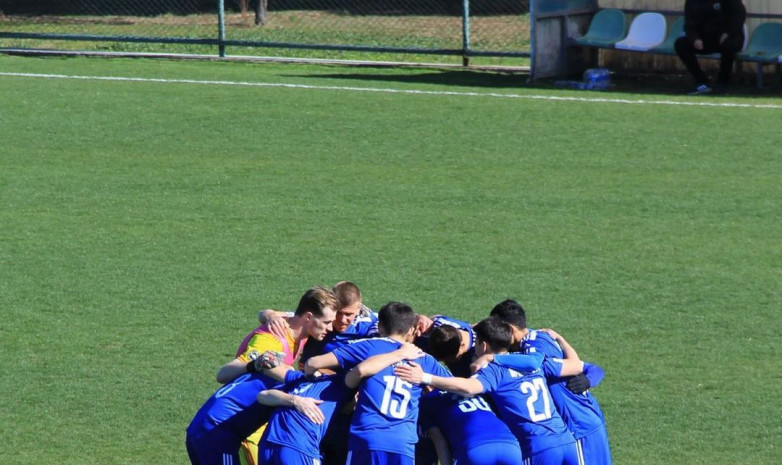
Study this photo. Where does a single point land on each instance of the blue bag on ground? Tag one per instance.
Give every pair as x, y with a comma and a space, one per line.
597, 78
594, 79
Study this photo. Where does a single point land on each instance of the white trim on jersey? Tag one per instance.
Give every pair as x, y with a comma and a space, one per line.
580, 449
228, 459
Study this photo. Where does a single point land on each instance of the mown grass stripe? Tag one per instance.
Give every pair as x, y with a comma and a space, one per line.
403, 91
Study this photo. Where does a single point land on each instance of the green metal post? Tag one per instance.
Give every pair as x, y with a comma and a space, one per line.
221, 27
465, 32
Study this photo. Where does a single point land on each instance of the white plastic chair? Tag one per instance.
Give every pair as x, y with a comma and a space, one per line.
646, 32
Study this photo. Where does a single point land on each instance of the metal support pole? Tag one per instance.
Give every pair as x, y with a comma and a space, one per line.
221, 27
533, 12
465, 32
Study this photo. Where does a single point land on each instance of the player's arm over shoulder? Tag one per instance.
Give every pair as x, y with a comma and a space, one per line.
414, 373
466, 387
571, 363
256, 346
376, 363
320, 362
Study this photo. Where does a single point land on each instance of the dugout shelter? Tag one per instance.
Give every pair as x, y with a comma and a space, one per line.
556, 25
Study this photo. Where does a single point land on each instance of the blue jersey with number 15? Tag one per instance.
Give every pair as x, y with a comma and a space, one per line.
387, 409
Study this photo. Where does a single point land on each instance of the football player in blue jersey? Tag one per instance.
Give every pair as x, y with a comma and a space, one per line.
354, 321
577, 406
307, 405
232, 413
511, 312
466, 431
521, 397
450, 341
383, 428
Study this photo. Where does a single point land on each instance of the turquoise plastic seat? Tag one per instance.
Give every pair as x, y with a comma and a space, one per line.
608, 27
764, 48
765, 45
676, 30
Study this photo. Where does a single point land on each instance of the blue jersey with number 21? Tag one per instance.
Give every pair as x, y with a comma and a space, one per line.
581, 412
387, 408
524, 403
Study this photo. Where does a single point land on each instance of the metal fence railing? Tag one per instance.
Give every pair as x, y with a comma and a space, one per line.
441, 30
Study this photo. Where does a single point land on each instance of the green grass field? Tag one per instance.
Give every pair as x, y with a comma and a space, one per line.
144, 223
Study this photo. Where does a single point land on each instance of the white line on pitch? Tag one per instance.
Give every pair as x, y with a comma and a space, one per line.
401, 91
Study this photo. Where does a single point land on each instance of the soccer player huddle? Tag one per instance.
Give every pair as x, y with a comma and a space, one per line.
336, 383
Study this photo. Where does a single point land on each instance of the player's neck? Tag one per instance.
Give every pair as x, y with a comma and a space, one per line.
296, 326
397, 337
518, 335
464, 346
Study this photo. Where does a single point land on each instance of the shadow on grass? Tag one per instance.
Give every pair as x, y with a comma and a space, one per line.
679, 84
645, 84
466, 78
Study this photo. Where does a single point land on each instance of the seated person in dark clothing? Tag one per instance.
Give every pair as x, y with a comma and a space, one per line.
711, 26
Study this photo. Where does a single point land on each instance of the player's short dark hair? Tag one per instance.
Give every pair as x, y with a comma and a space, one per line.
395, 318
444, 342
495, 332
511, 312
347, 294
315, 300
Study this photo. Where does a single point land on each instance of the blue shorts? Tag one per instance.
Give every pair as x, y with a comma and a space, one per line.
594, 448
276, 454
492, 453
377, 457
566, 454
214, 447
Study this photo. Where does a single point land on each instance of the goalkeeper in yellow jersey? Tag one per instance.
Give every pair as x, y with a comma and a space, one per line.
312, 319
